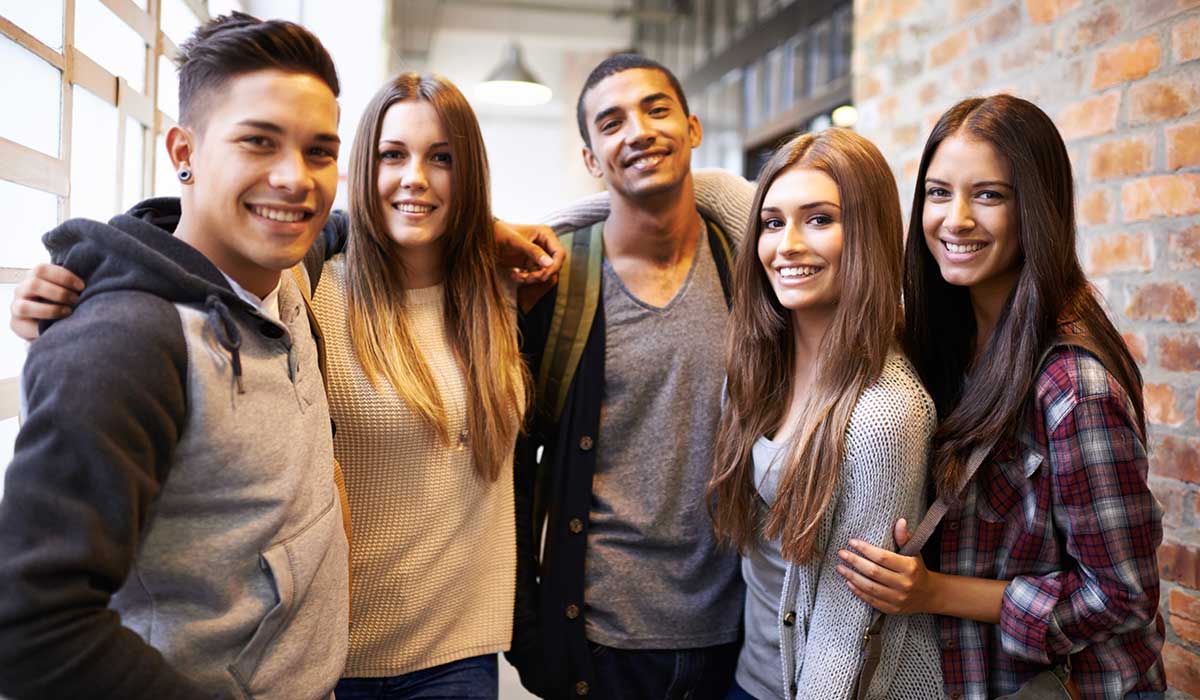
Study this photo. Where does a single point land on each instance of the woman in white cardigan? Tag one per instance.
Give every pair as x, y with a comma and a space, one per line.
826, 430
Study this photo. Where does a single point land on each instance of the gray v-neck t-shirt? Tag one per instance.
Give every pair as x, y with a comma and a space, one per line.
655, 575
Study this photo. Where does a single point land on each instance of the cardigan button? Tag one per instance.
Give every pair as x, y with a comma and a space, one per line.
952, 525
575, 526
581, 688
789, 619
950, 644
586, 443
572, 611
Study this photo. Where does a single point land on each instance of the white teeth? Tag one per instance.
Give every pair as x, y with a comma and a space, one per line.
278, 214
801, 271
963, 247
647, 162
414, 208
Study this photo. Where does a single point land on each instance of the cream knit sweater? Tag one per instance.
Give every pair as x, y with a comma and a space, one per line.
434, 548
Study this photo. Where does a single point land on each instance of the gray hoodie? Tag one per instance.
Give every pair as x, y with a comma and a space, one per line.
170, 525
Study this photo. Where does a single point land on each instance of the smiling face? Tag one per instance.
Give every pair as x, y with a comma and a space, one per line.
641, 139
970, 217
415, 183
264, 164
800, 239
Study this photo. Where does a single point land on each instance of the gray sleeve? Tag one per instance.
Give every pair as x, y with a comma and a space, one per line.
883, 480
105, 393
725, 198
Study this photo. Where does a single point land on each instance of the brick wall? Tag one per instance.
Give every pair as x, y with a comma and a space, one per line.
1122, 81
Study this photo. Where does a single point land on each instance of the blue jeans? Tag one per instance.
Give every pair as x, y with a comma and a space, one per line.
675, 674
475, 678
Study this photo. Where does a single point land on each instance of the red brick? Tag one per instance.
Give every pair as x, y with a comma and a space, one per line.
1162, 301
1093, 116
1184, 248
1120, 252
962, 8
1183, 669
1186, 629
1183, 146
1154, 11
887, 43
866, 87
1180, 563
1129, 61
949, 49
1160, 100
1136, 343
929, 92
887, 108
1170, 496
1120, 158
968, 78
906, 135
1180, 352
1160, 405
1000, 25
1176, 458
1185, 38
1043, 11
1091, 30
1032, 49
1184, 604
910, 169
1161, 195
1094, 208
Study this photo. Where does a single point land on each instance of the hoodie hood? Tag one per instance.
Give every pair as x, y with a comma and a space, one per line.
136, 251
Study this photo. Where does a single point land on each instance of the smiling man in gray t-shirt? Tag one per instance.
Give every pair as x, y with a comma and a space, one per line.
630, 596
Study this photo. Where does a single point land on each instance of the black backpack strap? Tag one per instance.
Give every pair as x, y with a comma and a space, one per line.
722, 252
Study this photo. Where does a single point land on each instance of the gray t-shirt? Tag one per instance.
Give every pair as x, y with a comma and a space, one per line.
763, 568
655, 576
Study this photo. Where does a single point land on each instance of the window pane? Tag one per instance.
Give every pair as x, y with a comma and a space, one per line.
93, 157
110, 42
29, 213
134, 145
42, 19
168, 87
165, 183
36, 123
177, 20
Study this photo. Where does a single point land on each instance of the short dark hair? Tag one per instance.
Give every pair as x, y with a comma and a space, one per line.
620, 63
238, 43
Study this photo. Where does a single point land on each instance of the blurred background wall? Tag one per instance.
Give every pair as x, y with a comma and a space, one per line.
89, 88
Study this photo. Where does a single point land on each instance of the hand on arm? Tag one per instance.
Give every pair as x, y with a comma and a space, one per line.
899, 585
47, 293
532, 251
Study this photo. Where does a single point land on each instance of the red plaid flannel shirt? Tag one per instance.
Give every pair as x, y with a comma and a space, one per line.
1065, 513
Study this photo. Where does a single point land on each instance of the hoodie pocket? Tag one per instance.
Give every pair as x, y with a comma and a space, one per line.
299, 648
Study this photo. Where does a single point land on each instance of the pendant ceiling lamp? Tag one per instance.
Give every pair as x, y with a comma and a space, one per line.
511, 83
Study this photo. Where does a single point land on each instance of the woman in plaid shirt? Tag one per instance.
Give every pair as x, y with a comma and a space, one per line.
1048, 559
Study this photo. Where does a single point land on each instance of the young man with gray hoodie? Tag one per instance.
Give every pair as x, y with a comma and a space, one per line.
171, 526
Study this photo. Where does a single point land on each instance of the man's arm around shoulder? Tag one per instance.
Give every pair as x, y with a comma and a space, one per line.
105, 404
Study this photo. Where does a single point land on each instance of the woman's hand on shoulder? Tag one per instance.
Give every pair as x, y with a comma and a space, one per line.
531, 251
889, 582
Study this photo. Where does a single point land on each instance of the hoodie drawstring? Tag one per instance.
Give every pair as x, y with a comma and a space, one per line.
220, 322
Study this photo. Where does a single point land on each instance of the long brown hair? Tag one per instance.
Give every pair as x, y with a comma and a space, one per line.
478, 316
940, 329
760, 350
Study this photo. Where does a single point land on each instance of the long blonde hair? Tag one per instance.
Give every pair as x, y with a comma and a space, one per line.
478, 315
760, 349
